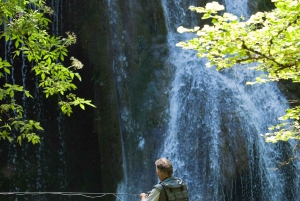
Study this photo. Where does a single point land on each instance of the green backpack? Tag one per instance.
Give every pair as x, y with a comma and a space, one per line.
172, 189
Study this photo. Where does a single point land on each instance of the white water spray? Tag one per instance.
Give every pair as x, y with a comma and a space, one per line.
198, 97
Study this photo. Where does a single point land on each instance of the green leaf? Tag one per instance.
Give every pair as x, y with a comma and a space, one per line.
7, 70
62, 57
11, 93
82, 106
49, 61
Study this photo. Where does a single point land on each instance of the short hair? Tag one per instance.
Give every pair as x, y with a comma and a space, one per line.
165, 166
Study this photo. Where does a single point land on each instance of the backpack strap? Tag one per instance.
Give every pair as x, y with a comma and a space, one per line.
162, 195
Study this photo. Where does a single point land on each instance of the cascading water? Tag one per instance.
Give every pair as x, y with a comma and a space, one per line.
214, 126
213, 117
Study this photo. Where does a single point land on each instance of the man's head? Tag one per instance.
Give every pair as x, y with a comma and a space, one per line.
164, 168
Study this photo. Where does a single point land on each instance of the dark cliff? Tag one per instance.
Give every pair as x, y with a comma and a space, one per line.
135, 46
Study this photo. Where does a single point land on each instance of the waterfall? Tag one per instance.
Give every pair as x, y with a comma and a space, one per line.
210, 113
214, 126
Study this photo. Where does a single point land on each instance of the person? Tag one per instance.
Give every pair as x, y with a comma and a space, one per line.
170, 188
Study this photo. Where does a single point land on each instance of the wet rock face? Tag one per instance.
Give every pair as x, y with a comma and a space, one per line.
123, 46
261, 5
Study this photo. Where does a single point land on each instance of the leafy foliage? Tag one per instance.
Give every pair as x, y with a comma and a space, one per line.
25, 25
271, 40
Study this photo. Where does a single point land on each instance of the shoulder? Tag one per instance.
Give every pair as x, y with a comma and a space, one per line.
154, 195
158, 187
